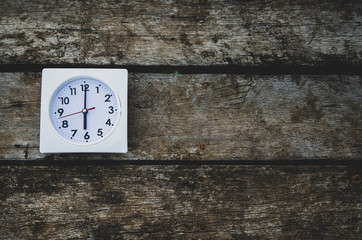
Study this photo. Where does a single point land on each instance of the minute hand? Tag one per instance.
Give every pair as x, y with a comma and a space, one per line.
85, 111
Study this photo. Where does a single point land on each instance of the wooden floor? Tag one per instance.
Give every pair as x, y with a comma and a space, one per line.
244, 120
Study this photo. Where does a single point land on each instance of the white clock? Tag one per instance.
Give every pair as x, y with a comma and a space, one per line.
83, 110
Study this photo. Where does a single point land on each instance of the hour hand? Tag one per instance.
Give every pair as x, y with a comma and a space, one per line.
85, 111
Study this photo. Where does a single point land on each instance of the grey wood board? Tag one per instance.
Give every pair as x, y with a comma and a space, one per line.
180, 202
204, 33
208, 117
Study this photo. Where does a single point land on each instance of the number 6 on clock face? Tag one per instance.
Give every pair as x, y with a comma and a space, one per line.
87, 110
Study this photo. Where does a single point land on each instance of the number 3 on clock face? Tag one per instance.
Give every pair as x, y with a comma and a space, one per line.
87, 110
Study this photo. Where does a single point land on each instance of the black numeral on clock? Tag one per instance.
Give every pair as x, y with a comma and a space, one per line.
60, 111
65, 124
108, 96
74, 132
109, 122
73, 91
100, 132
64, 100
86, 136
84, 87
111, 111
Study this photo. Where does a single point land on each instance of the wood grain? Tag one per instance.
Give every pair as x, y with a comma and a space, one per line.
290, 120
184, 33
181, 202
208, 117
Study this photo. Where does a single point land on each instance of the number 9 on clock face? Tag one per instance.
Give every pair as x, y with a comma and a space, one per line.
84, 110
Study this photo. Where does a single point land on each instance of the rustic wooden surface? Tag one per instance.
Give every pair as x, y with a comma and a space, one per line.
181, 202
209, 117
181, 32
294, 97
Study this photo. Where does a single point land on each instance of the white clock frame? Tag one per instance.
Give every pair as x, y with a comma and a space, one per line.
52, 79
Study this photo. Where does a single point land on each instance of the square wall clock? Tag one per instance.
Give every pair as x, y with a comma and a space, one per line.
83, 110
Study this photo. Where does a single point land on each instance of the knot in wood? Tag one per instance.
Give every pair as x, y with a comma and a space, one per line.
201, 179
356, 179
201, 146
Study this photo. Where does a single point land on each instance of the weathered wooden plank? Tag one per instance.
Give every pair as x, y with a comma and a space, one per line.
181, 202
209, 116
184, 33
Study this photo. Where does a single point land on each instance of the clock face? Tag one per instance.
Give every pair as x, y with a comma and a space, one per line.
84, 110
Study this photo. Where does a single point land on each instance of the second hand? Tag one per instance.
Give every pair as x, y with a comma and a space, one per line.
76, 113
